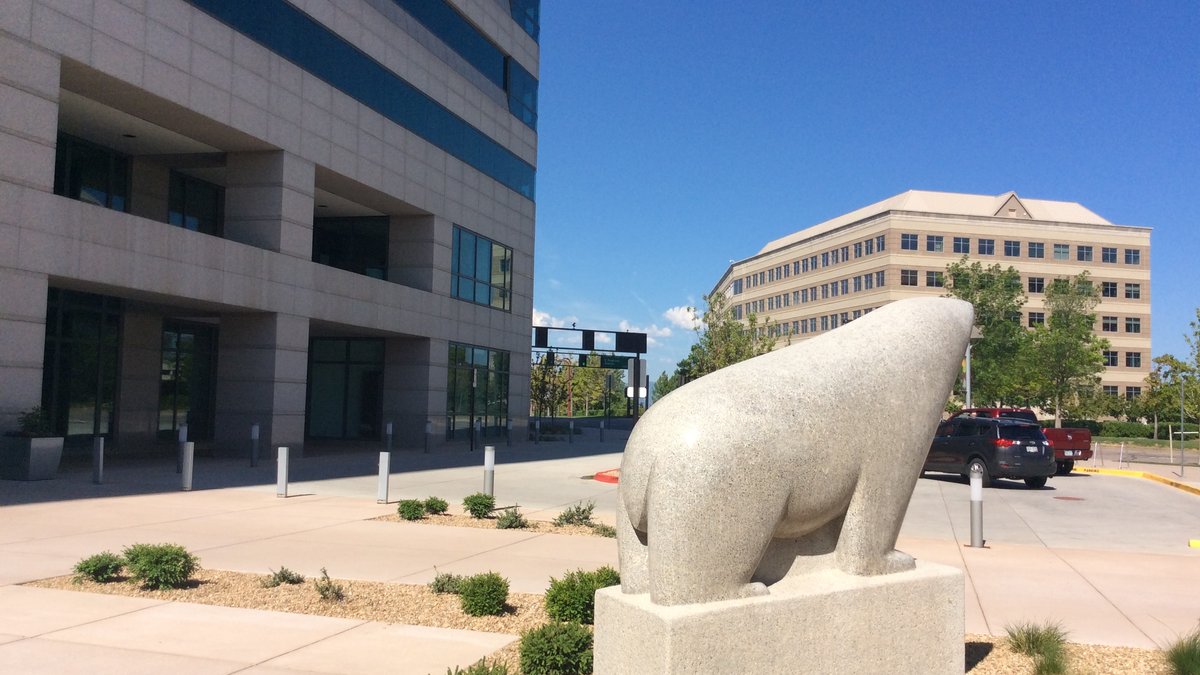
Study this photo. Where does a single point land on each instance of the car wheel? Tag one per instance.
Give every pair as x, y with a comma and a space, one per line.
1065, 467
1036, 482
976, 462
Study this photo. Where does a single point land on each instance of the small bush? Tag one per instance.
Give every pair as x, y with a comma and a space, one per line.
511, 519
436, 506
1126, 429
329, 589
282, 576
576, 515
557, 649
604, 530
479, 505
483, 594
101, 568
1046, 644
160, 565
480, 667
411, 509
445, 582
1184, 655
573, 598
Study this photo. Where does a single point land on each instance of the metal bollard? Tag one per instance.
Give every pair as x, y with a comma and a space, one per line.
508, 433
489, 469
537, 432
477, 433
179, 455
1121, 457
570, 432
189, 454
281, 472
428, 433
98, 460
976, 507
601, 431
385, 474
254, 444
389, 436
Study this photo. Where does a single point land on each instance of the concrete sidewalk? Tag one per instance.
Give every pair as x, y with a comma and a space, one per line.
1104, 555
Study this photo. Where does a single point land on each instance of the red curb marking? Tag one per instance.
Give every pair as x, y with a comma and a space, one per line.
610, 476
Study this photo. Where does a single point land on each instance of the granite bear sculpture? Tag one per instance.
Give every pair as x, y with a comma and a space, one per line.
795, 461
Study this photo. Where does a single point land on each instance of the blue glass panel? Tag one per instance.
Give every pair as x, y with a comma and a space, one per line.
453, 29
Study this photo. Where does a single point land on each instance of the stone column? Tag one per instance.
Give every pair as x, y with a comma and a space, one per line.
28, 118
419, 252
262, 371
22, 347
269, 201
141, 364
414, 389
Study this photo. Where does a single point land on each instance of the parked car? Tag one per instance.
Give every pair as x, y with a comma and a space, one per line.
1000, 447
1070, 445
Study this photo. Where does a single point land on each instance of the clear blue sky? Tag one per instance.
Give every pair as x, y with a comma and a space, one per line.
676, 136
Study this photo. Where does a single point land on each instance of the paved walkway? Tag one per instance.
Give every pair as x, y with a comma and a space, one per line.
1110, 561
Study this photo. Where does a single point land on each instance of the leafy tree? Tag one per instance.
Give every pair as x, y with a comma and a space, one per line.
998, 375
665, 384
1066, 355
547, 386
723, 340
587, 389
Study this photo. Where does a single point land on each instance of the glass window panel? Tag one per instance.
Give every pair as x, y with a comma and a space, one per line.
326, 401
328, 350
366, 351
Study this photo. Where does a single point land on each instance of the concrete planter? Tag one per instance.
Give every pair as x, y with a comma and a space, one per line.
30, 458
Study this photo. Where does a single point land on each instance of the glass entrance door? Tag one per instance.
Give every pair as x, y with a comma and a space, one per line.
186, 391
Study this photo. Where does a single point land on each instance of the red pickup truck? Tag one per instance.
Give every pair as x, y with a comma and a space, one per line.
1070, 445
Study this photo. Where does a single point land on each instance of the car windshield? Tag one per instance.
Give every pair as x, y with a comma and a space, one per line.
1020, 432
1019, 415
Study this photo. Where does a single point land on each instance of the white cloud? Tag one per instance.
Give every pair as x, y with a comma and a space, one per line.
653, 331
604, 339
682, 316
541, 318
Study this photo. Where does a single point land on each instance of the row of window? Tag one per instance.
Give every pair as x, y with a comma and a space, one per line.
1132, 359
1108, 289
932, 279
1108, 324
833, 289
815, 324
811, 263
1130, 392
935, 243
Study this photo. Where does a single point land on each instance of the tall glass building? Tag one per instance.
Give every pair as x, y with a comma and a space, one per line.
312, 215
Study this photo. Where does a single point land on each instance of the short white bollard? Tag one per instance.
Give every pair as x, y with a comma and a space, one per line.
976, 507
489, 469
254, 444
98, 460
281, 472
385, 474
1121, 457
189, 454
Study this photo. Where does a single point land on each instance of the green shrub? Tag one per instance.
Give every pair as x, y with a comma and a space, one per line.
101, 568
573, 598
557, 649
282, 576
1046, 644
445, 582
576, 515
479, 505
329, 589
160, 565
511, 519
483, 594
1184, 655
480, 667
411, 509
436, 505
1126, 429
604, 530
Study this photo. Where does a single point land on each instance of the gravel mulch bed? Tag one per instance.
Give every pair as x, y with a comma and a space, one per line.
990, 655
453, 520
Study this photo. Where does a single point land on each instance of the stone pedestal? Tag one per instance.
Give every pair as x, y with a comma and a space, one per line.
827, 622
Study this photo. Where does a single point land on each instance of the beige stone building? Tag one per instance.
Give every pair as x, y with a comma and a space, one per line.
816, 279
313, 215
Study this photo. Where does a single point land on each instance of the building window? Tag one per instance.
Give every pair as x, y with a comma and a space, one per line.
187, 381
1110, 390
825, 323
868, 281
358, 245
1062, 251
1108, 289
833, 291
527, 15
737, 286
845, 283
825, 259
1133, 359
482, 270
833, 320
804, 265
1037, 249
1108, 324
1036, 319
908, 242
1083, 253
195, 204
962, 244
1012, 249
796, 267
857, 284
804, 295
935, 279
1108, 255
795, 297
1133, 324
1133, 291
787, 271
80, 363
812, 325
986, 246
737, 312
857, 313
476, 388
908, 277
91, 173
834, 255
881, 242
933, 243
858, 250
1037, 284
345, 388
870, 246
770, 276
1132, 392
795, 328
824, 291
879, 278
1133, 256
845, 253
1110, 359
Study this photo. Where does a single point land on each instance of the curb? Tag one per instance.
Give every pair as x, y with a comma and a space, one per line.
610, 476
1192, 489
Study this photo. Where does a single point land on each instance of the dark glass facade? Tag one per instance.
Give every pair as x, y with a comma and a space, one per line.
91, 173
527, 14
345, 388
476, 388
195, 204
79, 373
482, 270
358, 245
187, 380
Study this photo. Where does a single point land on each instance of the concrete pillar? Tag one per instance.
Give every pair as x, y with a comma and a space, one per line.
29, 114
262, 370
23, 341
419, 249
269, 201
414, 389
141, 364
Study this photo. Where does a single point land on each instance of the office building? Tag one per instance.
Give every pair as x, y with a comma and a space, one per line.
819, 278
312, 215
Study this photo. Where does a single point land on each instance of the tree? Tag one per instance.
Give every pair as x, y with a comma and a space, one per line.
1065, 354
665, 384
587, 389
996, 367
723, 340
547, 386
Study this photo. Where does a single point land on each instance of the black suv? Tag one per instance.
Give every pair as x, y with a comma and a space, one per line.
1002, 448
